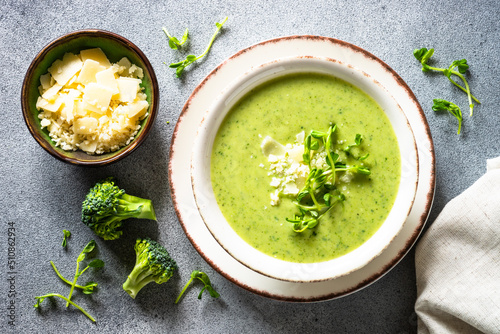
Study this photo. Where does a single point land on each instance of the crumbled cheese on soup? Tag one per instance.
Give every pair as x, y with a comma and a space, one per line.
87, 103
286, 165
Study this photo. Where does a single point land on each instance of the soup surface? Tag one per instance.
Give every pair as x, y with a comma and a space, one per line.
281, 109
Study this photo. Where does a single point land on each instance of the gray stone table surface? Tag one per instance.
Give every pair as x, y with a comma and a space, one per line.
41, 196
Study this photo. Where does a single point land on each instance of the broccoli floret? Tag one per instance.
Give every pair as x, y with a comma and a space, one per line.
106, 205
153, 263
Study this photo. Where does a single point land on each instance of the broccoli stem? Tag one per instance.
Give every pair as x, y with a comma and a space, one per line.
137, 279
143, 207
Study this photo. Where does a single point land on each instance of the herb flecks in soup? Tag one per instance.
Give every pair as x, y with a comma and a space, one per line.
281, 109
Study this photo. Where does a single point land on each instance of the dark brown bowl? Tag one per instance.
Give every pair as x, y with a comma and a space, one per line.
115, 47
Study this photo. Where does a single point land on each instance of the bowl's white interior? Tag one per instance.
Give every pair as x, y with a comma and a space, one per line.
232, 242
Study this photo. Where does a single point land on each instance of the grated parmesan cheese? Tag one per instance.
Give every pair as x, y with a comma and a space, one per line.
287, 168
87, 103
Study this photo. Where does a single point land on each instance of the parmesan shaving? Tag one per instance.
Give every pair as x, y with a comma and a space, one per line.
87, 103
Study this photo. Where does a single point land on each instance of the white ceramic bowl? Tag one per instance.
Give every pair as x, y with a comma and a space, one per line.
232, 242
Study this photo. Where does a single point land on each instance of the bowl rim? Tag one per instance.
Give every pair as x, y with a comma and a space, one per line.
132, 146
232, 93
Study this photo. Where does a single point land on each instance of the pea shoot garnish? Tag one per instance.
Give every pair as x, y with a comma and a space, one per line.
457, 68
320, 194
96, 263
173, 42
180, 66
40, 299
66, 235
207, 285
87, 289
440, 104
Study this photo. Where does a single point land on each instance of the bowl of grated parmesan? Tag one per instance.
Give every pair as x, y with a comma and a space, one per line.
90, 97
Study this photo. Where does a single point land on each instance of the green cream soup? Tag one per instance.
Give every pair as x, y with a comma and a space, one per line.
281, 109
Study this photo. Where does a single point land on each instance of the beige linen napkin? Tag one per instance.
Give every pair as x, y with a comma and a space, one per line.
458, 262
